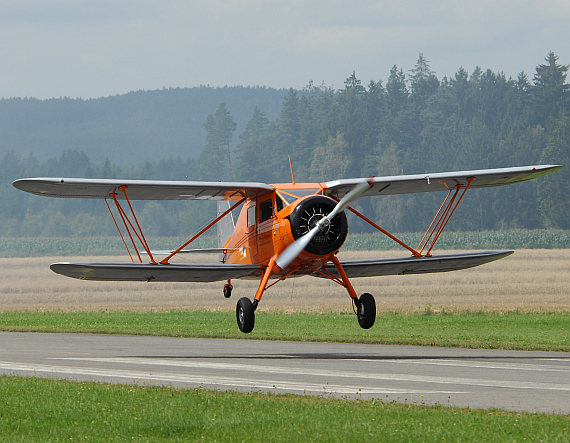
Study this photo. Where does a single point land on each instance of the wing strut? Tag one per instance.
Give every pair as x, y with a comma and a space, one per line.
436, 227
127, 222
165, 261
383, 231
118, 229
441, 218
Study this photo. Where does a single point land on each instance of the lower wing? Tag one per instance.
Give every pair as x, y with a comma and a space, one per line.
189, 272
183, 272
415, 265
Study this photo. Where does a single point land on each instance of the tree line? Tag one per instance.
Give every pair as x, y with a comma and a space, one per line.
415, 123
412, 123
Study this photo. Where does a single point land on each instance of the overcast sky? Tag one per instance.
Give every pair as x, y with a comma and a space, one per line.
95, 48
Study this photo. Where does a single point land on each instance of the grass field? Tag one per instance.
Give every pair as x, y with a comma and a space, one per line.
49, 410
527, 281
521, 331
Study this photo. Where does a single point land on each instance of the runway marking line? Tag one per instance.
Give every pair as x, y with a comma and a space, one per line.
248, 368
136, 377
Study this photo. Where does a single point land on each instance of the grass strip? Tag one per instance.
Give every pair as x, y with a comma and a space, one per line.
34, 409
545, 331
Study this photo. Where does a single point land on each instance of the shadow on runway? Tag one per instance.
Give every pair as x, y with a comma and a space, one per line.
343, 356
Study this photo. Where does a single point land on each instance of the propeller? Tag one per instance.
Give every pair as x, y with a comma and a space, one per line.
295, 248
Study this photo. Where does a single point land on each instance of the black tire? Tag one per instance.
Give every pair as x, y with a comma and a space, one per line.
366, 311
245, 315
228, 291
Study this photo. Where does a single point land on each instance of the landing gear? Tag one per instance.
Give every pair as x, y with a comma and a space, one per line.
365, 310
228, 289
245, 309
365, 306
245, 315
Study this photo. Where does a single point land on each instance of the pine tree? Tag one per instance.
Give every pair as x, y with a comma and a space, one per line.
251, 152
396, 91
551, 93
423, 82
351, 120
285, 135
554, 189
460, 88
214, 161
330, 162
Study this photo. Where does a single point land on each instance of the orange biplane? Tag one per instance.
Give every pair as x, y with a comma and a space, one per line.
282, 230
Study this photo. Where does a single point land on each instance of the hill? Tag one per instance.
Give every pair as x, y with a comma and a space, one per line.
147, 125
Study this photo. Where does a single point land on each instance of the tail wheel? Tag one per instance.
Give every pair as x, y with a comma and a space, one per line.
245, 315
366, 310
228, 290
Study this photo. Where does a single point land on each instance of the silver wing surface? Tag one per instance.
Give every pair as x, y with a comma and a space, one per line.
415, 265
442, 181
141, 189
187, 272
194, 190
182, 272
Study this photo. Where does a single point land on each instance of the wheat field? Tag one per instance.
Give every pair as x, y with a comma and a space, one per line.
529, 280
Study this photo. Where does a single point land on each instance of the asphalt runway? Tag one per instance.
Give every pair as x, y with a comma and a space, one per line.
476, 378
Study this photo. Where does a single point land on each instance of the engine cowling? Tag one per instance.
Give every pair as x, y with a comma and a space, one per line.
305, 217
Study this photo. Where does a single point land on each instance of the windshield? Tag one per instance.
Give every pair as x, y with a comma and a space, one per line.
294, 194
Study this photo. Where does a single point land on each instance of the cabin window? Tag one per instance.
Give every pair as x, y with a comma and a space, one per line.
251, 214
266, 209
279, 203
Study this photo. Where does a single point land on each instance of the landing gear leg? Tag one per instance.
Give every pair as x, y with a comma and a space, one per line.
365, 305
245, 310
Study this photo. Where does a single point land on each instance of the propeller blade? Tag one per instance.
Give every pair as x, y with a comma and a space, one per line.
352, 195
295, 248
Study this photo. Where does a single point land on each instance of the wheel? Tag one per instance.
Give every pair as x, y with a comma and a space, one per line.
366, 311
228, 290
245, 315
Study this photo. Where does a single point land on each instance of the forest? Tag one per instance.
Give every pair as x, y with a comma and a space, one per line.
414, 122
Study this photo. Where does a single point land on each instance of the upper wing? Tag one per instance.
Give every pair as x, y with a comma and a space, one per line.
442, 181
141, 189
416, 265
181, 272
190, 190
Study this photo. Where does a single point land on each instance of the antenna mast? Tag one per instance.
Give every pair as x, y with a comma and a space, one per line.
291, 167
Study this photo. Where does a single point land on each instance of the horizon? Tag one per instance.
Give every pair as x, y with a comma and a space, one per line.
365, 83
